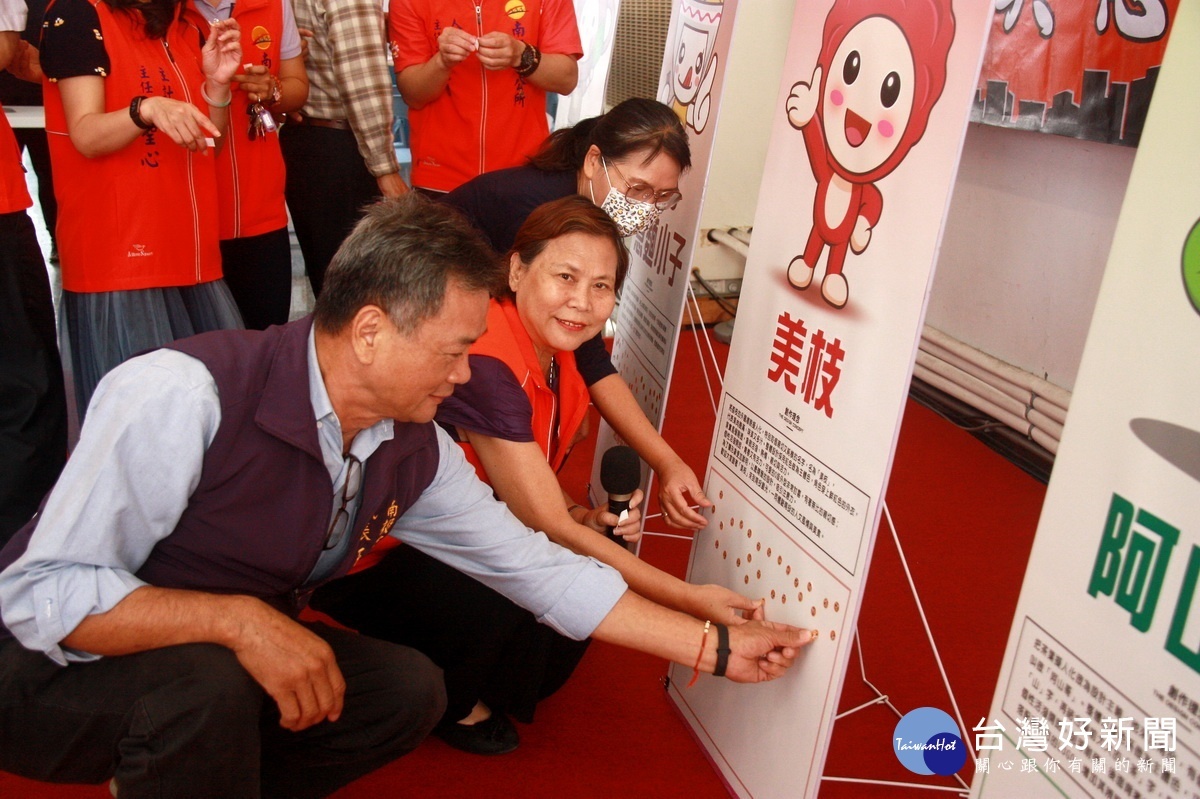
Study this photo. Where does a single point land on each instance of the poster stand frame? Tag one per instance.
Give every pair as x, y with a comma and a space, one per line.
692, 303
963, 788
884, 699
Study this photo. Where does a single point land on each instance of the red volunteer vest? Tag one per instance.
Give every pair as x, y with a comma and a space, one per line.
507, 342
146, 215
14, 196
485, 119
250, 174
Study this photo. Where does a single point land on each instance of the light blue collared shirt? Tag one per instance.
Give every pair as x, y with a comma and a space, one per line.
139, 459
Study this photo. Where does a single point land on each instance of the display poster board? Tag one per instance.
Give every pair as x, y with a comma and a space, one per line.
1084, 68
597, 21
1100, 684
652, 300
866, 138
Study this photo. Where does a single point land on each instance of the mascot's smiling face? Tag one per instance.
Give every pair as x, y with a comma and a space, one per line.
867, 99
883, 67
691, 54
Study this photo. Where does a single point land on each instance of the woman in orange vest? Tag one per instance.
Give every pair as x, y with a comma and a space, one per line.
517, 418
132, 105
256, 255
629, 161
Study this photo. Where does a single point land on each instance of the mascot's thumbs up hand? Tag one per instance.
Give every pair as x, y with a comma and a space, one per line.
802, 102
861, 236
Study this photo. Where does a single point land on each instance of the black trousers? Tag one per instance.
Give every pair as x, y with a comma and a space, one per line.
327, 186
190, 721
489, 648
258, 271
33, 405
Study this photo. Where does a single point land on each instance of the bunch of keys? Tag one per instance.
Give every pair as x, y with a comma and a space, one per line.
261, 121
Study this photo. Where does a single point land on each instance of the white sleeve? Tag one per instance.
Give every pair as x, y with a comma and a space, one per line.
13, 14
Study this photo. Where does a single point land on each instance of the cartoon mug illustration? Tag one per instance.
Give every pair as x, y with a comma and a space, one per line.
692, 64
880, 71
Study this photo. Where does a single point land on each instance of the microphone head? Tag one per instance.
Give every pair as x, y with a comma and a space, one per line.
620, 470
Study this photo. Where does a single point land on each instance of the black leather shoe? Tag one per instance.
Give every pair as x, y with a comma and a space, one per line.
493, 736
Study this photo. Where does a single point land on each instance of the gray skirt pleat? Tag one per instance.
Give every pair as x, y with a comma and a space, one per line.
105, 328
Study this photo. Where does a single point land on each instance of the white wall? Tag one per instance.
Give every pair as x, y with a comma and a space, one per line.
1026, 242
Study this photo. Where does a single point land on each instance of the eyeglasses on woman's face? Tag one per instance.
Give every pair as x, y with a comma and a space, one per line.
645, 193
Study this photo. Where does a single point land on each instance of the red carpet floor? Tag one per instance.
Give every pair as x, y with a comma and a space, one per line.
966, 518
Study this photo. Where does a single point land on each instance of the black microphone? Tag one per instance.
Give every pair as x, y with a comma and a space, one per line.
620, 474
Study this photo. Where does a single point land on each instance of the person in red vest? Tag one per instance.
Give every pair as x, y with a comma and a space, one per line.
256, 254
475, 77
516, 419
33, 421
131, 104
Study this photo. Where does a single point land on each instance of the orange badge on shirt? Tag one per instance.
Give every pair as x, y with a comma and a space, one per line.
515, 9
261, 37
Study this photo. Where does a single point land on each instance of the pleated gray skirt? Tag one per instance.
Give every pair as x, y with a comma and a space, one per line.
102, 329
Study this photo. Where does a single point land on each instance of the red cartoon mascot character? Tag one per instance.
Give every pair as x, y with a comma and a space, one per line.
881, 69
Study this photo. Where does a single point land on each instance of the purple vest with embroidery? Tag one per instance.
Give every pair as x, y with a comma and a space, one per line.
257, 520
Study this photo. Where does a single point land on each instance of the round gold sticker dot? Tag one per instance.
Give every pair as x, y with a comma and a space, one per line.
747, 579
814, 610
837, 606
772, 593
826, 603
833, 635
809, 589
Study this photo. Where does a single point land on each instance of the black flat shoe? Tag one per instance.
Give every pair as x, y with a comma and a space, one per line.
493, 736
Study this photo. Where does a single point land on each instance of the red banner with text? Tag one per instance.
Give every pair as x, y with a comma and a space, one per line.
1081, 69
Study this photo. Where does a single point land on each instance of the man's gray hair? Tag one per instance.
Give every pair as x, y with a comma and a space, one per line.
401, 257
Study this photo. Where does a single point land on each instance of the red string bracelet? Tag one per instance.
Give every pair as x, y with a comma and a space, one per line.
700, 656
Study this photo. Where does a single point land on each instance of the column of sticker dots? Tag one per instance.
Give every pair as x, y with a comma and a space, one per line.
756, 561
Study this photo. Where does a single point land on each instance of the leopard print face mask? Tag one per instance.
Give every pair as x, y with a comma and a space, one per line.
629, 215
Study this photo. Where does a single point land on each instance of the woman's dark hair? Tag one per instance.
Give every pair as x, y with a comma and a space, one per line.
572, 214
157, 15
632, 126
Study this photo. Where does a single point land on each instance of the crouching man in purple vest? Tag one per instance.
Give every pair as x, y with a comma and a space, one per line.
218, 481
